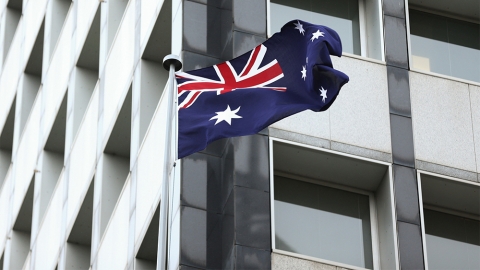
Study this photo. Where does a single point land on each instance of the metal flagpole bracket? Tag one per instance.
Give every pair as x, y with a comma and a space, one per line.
172, 59
171, 63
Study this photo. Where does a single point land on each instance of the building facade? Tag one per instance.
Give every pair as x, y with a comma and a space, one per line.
387, 178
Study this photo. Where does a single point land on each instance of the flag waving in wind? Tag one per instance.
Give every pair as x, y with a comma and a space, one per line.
289, 73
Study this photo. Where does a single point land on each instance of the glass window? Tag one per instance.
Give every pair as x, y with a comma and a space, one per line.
323, 222
453, 242
445, 45
340, 15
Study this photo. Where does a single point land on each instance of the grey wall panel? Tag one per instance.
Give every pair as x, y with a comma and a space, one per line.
250, 16
252, 258
206, 28
193, 229
442, 121
252, 218
360, 114
228, 233
216, 148
228, 172
202, 182
399, 91
200, 240
475, 105
402, 140
251, 162
394, 8
410, 246
406, 194
396, 42
193, 60
243, 42
312, 124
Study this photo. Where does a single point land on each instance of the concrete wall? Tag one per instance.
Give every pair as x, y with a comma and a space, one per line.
358, 123
446, 125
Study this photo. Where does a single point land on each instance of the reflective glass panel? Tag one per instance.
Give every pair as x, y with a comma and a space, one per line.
322, 222
453, 242
340, 15
445, 45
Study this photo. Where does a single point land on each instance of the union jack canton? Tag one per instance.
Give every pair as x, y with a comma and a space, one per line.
289, 73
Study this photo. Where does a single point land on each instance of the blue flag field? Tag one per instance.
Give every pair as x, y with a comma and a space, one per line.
289, 73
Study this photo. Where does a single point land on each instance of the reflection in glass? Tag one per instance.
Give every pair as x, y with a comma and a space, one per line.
445, 45
340, 15
322, 222
453, 242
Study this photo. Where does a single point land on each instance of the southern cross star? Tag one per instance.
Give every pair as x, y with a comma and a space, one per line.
299, 26
323, 94
304, 73
316, 35
226, 115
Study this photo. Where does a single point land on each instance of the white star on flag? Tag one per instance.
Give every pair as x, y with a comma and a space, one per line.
316, 35
226, 115
299, 26
323, 94
304, 73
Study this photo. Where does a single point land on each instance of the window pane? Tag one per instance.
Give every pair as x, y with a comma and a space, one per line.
340, 15
444, 45
322, 222
453, 242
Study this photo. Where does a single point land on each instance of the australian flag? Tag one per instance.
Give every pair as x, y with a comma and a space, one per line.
290, 72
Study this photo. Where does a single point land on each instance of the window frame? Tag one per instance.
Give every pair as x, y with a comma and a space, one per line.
438, 209
372, 206
362, 30
409, 43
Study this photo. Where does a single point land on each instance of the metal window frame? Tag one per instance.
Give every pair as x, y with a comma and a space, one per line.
421, 206
373, 209
409, 42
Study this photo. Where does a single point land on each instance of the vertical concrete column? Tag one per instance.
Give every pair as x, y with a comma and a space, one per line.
201, 208
249, 200
249, 25
206, 40
97, 184
406, 193
207, 33
246, 242
134, 144
225, 205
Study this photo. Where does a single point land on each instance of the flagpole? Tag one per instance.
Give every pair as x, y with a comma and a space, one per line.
171, 63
